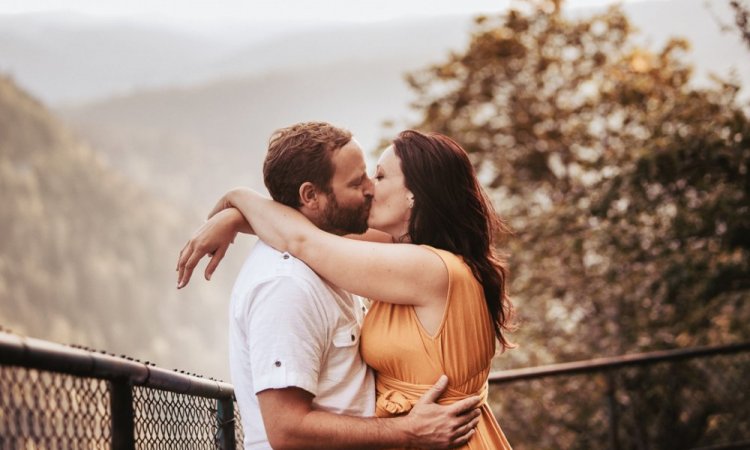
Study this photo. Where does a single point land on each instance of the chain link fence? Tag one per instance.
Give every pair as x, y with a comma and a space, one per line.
46, 410
168, 420
58, 397
680, 402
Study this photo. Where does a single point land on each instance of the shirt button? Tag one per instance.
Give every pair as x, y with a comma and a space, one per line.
352, 338
286, 255
277, 364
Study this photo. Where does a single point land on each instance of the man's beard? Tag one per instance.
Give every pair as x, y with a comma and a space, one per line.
340, 220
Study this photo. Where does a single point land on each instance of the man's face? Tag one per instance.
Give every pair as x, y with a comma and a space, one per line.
348, 204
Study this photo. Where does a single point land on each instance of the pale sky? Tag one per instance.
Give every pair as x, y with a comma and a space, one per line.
187, 12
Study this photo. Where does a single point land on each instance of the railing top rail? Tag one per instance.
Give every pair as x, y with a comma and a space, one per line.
50, 356
600, 364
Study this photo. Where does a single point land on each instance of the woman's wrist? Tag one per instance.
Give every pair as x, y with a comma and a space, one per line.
238, 221
228, 200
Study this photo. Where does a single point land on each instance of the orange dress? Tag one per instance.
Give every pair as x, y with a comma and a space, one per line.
407, 360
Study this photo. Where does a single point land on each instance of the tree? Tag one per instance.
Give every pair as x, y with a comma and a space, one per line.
627, 187
742, 18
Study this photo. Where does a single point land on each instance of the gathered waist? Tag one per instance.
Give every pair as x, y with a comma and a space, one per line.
396, 397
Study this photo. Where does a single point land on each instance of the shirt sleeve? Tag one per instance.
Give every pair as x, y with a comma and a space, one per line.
287, 335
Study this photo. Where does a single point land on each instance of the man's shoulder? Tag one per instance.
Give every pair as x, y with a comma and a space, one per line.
268, 269
266, 263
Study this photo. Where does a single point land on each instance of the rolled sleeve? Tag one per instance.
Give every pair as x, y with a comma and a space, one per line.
287, 336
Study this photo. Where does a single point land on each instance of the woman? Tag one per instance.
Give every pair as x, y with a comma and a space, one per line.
438, 292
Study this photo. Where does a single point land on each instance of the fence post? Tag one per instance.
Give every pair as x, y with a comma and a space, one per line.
121, 409
225, 418
614, 413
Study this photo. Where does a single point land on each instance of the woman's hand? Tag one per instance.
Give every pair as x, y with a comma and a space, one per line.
212, 238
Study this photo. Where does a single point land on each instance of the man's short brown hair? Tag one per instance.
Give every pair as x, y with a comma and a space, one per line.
299, 153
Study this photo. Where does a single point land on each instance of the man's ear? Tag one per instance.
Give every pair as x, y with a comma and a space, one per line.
309, 196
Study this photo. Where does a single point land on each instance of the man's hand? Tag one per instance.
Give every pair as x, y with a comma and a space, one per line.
436, 426
212, 238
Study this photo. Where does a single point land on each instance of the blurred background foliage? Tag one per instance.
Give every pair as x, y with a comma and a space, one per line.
626, 186
628, 191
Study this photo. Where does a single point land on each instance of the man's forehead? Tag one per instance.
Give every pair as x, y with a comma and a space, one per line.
349, 161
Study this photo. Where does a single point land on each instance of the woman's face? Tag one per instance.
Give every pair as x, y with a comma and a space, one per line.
390, 211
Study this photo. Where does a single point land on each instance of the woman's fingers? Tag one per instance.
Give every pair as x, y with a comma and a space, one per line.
181, 261
215, 260
191, 258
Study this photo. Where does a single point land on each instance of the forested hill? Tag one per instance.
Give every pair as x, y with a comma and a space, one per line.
88, 258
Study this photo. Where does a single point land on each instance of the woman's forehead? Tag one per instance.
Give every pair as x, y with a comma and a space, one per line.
387, 157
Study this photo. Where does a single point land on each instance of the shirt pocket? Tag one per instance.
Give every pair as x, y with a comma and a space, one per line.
343, 356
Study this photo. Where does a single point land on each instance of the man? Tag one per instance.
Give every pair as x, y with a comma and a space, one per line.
294, 339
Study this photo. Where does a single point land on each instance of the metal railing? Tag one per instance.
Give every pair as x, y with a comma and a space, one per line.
54, 396
695, 398
59, 397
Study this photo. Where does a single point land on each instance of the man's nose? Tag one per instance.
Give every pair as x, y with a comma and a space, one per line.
368, 188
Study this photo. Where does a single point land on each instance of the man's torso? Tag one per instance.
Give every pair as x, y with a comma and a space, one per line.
290, 328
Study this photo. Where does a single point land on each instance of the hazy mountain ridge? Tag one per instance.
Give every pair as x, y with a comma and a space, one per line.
192, 143
403, 44
71, 58
213, 137
64, 58
87, 257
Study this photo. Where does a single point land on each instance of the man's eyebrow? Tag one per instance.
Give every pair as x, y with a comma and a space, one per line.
358, 179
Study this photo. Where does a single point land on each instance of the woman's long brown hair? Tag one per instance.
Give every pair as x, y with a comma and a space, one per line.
452, 212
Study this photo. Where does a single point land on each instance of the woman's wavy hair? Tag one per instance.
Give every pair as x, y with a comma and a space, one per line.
452, 212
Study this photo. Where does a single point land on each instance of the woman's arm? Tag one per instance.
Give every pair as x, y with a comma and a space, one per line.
213, 238
393, 273
371, 236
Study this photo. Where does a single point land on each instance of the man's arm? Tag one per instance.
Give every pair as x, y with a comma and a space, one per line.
292, 423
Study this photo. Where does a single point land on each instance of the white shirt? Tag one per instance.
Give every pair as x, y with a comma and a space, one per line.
289, 328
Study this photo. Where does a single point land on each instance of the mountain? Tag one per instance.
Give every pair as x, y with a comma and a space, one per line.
194, 144
66, 58
71, 58
87, 257
191, 143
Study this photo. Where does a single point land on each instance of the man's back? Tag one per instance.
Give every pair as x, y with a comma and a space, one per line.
288, 328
